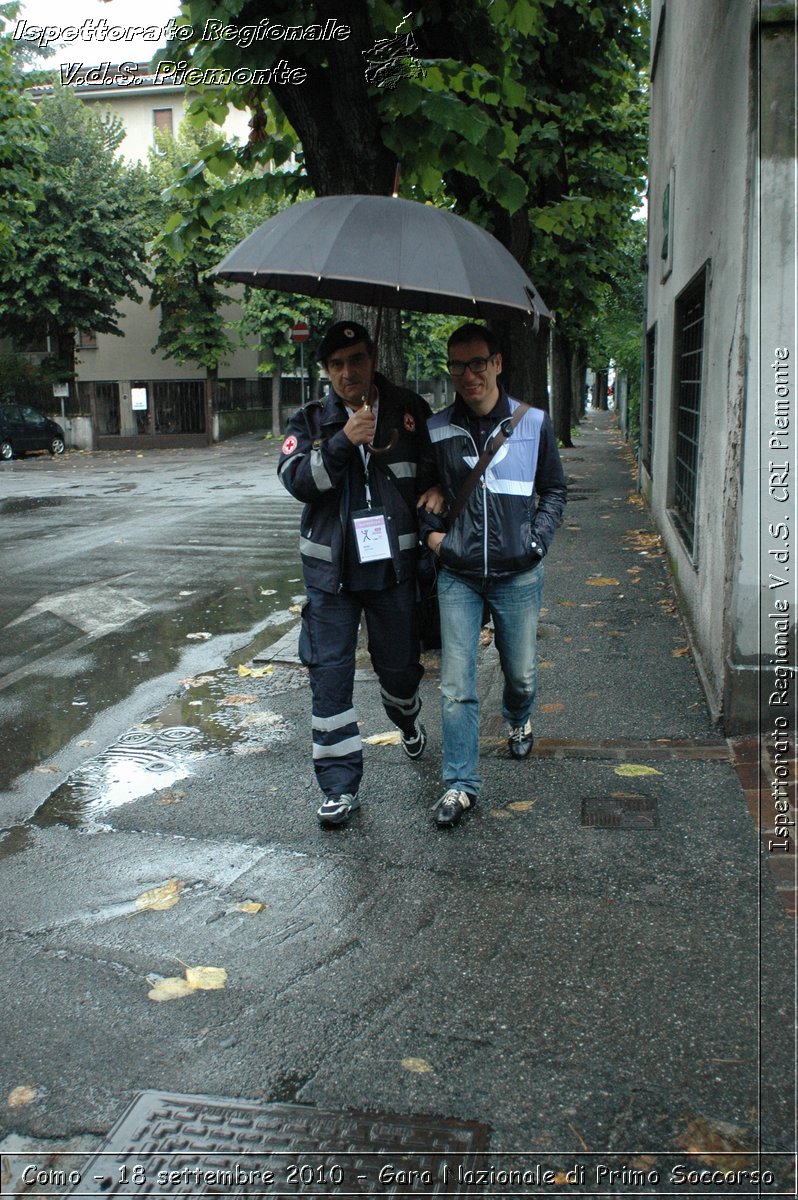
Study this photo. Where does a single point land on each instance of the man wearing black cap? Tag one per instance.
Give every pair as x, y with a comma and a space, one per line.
358, 544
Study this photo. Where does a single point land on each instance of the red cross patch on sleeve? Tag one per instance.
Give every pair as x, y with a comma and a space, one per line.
289, 445
410, 422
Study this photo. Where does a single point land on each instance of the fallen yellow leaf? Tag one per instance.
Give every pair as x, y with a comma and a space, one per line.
636, 769
419, 1066
170, 989
255, 672
550, 708
603, 581
160, 898
206, 979
250, 906
20, 1096
522, 805
384, 739
295, 608
681, 652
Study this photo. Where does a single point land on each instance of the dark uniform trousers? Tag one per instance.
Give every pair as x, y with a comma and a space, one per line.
327, 645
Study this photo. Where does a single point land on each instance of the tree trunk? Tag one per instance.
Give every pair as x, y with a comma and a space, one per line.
561, 387
578, 381
211, 381
600, 398
277, 378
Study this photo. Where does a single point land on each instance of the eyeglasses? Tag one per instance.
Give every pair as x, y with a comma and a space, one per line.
477, 366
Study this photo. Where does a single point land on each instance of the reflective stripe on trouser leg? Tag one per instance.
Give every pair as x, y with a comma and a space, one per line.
337, 752
330, 638
402, 712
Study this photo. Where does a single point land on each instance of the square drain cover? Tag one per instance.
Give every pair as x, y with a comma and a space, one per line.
611, 812
176, 1145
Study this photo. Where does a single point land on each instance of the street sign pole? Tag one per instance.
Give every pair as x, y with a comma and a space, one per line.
302, 372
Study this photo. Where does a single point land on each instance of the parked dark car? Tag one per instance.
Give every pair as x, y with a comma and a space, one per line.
22, 428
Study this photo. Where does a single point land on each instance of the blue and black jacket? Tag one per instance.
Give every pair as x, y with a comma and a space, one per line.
512, 514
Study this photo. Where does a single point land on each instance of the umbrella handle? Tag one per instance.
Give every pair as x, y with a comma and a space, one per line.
392, 440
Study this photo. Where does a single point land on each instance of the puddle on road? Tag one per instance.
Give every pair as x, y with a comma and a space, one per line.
44, 711
212, 715
25, 504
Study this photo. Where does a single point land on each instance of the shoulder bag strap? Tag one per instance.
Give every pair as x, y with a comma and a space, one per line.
470, 481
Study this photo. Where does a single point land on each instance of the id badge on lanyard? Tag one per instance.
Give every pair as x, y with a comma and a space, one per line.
370, 526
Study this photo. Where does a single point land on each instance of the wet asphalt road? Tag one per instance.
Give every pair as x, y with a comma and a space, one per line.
614, 993
119, 570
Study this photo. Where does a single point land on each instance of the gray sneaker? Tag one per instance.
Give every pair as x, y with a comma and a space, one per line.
413, 743
336, 810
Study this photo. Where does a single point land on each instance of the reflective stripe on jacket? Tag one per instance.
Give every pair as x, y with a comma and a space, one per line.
315, 464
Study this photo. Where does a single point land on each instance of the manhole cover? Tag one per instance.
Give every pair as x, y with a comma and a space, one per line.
611, 812
203, 1145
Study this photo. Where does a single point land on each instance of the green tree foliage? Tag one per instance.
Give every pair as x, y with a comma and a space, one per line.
21, 144
528, 117
80, 247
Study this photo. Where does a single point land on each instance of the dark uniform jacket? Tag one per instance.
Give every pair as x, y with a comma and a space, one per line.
513, 512
321, 467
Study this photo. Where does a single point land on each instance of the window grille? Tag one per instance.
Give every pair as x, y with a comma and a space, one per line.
689, 344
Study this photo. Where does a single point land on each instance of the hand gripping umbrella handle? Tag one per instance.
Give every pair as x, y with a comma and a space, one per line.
393, 439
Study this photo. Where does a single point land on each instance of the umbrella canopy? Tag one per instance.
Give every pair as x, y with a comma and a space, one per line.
380, 250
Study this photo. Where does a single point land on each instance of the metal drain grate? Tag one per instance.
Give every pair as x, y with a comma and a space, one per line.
178, 1145
611, 812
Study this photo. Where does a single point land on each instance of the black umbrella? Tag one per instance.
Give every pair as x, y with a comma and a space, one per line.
380, 250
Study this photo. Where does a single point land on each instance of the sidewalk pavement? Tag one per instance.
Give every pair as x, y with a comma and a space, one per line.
597, 961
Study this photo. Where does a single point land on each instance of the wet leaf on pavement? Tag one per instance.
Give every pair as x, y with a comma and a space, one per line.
603, 581
20, 1096
384, 739
680, 653
206, 979
47, 770
255, 672
160, 898
196, 979
636, 769
552, 708
240, 698
170, 796
268, 591
715, 1142
198, 637
295, 608
197, 681
250, 906
170, 989
522, 805
419, 1066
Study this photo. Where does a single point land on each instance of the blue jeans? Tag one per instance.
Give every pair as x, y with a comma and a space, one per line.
514, 602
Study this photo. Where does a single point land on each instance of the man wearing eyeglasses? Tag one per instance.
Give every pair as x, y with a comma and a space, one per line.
492, 553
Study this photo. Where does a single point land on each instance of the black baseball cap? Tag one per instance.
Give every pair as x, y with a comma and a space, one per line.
343, 333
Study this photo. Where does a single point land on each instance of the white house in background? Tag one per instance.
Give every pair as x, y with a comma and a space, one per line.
127, 395
718, 457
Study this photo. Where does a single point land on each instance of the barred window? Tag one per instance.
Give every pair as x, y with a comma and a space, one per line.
689, 349
648, 405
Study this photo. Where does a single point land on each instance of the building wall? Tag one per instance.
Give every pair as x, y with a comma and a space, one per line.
701, 144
